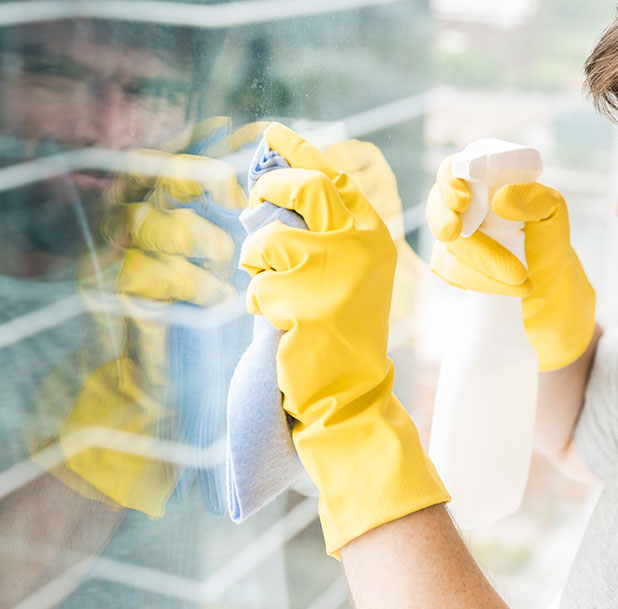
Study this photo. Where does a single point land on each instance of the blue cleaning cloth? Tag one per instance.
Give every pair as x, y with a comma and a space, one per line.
264, 160
261, 458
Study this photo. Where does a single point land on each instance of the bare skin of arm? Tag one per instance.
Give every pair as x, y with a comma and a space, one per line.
49, 533
561, 398
423, 563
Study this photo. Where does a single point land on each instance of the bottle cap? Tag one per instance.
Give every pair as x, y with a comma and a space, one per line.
492, 163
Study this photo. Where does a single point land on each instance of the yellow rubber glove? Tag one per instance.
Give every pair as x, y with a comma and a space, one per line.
329, 288
366, 165
557, 299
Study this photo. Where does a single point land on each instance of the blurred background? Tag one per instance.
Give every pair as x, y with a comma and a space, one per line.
122, 312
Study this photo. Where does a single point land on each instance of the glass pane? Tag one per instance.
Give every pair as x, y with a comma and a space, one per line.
126, 133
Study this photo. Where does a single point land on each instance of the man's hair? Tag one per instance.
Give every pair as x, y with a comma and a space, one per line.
601, 70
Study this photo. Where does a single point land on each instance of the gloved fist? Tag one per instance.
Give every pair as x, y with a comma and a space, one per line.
329, 288
557, 299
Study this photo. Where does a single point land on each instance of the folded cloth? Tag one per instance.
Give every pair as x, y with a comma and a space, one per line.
261, 458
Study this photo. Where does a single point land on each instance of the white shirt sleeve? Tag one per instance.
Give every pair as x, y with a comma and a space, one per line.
596, 432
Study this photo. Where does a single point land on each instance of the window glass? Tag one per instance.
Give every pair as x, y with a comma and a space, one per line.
126, 133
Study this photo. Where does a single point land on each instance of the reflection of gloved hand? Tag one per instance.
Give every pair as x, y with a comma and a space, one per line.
173, 222
169, 253
557, 299
329, 288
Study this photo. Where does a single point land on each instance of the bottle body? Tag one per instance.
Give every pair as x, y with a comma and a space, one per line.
485, 406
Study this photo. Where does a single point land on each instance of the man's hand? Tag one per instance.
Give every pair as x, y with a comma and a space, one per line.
329, 288
557, 299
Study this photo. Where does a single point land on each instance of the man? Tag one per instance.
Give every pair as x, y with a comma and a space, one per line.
382, 506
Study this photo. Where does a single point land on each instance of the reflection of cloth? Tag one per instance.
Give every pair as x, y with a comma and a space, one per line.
262, 461
157, 564
593, 581
202, 359
201, 365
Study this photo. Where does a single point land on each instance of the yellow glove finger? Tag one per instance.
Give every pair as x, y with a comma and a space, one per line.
121, 224
455, 272
455, 192
188, 176
485, 255
276, 247
264, 284
209, 242
448, 199
160, 176
297, 151
544, 211
288, 266
367, 166
308, 192
168, 278
287, 300
300, 154
178, 231
531, 202
444, 223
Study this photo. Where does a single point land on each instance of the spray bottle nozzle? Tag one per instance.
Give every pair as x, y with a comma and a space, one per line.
490, 163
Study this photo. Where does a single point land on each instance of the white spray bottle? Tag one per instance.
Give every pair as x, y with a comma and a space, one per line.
485, 406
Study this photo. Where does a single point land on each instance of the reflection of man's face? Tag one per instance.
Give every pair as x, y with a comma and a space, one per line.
67, 87
80, 90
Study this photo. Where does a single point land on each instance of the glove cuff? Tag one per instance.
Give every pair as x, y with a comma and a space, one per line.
560, 325
373, 471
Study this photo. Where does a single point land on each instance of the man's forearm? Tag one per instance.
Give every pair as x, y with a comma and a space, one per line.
561, 398
46, 532
416, 561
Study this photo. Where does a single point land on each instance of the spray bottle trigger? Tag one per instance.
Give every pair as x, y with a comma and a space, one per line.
478, 209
